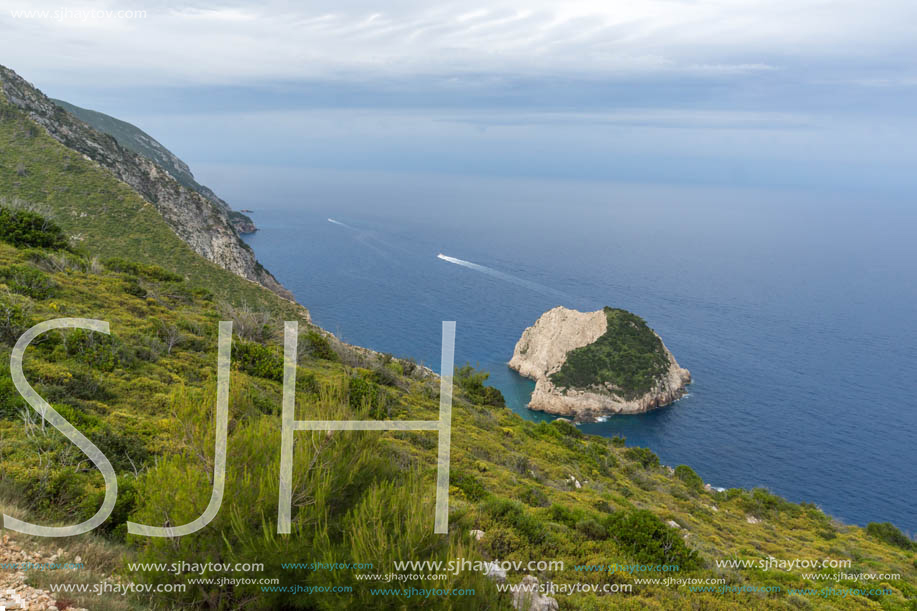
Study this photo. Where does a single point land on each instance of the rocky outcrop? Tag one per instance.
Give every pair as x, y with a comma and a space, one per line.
543, 349
201, 223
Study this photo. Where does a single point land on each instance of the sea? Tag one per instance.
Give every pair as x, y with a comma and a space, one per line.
795, 310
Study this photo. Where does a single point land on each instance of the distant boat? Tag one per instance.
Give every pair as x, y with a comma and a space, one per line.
246, 210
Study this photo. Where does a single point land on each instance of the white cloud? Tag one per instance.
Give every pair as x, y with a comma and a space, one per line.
237, 43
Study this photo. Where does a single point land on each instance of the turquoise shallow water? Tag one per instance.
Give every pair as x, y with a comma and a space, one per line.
795, 312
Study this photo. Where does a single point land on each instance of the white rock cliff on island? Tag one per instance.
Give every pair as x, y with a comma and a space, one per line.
542, 351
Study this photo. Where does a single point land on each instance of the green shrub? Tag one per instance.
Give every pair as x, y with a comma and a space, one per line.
500, 542
14, 318
534, 497
564, 515
889, 533
100, 351
318, 346
11, 402
646, 539
362, 392
826, 533
23, 229
689, 477
150, 272
384, 376
566, 428
257, 360
761, 502
591, 529
470, 485
28, 281
644, 456
306, 382
132, 287
513, 514
471, 383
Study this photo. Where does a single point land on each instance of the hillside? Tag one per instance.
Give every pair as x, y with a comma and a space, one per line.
138, 141
103, 214
199, 222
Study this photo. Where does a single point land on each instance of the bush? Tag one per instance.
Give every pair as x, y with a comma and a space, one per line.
250, 324
361, 392
257, 360
22, 228
471, 486
564, 515
591, 529
14, 318
318, 346
28, 281
534, 497
150, 272
132, 287
646, 539
11, 402
100, 351
384, 376
689, 477
644, 456
761, 502
500, 542
566, 428
471, 383
889, 533
513, 514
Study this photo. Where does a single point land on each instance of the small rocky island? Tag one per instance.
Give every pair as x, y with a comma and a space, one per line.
587, 365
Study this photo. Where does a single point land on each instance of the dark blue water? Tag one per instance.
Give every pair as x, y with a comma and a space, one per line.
795, 312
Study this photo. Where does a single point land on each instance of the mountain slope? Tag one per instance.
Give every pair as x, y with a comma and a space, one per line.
105, 216
203, 225
138, 141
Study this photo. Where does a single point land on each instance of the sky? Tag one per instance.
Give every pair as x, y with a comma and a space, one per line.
812, 93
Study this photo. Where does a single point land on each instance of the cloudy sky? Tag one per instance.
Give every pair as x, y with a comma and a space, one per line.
779, 92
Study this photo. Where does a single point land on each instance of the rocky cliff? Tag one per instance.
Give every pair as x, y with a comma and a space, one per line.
201, 223
587, 365
135, 139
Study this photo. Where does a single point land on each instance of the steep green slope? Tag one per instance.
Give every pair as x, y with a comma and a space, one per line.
102, 214
137, 140
539, 492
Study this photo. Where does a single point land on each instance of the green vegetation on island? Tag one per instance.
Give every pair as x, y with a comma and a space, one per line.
628, 356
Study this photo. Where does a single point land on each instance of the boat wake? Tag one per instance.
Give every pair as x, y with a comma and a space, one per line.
330, 220
546, 290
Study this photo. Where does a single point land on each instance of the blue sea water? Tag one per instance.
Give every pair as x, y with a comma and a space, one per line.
796, 312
